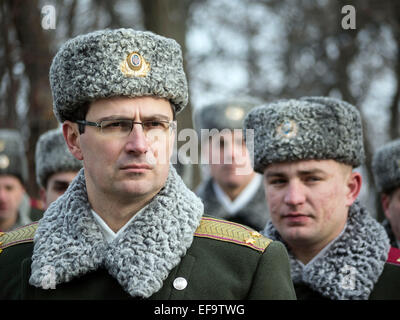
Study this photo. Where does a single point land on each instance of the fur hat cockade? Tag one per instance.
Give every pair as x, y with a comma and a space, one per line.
224, 114
52, 156
12, 155
386, 166
121, 62
305, 129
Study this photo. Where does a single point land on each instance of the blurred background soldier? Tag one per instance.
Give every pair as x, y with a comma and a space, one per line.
386, 169
15, 208
56, 167
232, 190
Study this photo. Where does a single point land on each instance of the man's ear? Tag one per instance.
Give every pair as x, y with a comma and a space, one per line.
354, 183
72, 138
385, 201
42, 195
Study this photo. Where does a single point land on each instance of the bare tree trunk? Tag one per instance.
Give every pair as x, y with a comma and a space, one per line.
394, 131
35, 54
394, 108
9, 117
71, 19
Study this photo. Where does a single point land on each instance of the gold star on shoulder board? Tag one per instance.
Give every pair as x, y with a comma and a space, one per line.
250, 240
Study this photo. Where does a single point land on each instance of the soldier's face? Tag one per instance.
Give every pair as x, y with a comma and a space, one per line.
309, 200
57, 184
391, 207
229, 159
11, 193
130, 168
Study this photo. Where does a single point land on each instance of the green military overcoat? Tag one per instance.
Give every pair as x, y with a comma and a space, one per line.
386, 288
225, 261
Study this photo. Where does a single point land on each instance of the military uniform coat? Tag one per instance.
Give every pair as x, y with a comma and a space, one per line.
169, 251
254, 214
212, 268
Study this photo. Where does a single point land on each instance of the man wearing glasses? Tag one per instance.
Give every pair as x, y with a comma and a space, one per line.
128, 227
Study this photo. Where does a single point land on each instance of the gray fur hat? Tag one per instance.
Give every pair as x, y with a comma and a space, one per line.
386, 166
52, 156
224, 114
12, 155
309, 128
122, 62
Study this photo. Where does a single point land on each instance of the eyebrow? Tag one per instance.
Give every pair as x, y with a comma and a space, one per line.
300, 172
157, 116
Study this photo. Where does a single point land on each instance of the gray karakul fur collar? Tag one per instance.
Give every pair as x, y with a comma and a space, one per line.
69, 241
351, 265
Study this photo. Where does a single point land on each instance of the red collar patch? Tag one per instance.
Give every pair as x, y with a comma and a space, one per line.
394, 256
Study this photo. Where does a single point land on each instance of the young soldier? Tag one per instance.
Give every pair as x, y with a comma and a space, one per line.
56, 167
15, 208
233, 191
128, 226
306, 150
386, 169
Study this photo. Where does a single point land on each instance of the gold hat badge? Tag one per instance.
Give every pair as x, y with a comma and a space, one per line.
288, 129
234, 113
4, 161
135, 65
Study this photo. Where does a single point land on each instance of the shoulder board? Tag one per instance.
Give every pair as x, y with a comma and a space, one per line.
20, 235
394, 256
231, 232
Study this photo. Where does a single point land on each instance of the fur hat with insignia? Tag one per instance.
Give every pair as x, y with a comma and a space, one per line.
386, 166
122, 62
12, 155
52, 156
305, 129
224, 114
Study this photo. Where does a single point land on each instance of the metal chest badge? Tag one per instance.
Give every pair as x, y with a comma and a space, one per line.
288, 129
135, 65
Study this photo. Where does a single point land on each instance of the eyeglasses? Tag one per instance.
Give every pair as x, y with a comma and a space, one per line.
122, 127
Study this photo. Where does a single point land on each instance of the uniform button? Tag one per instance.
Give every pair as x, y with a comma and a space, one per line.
180, 283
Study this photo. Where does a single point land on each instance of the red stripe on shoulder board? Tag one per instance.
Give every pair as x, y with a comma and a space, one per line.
394, 256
